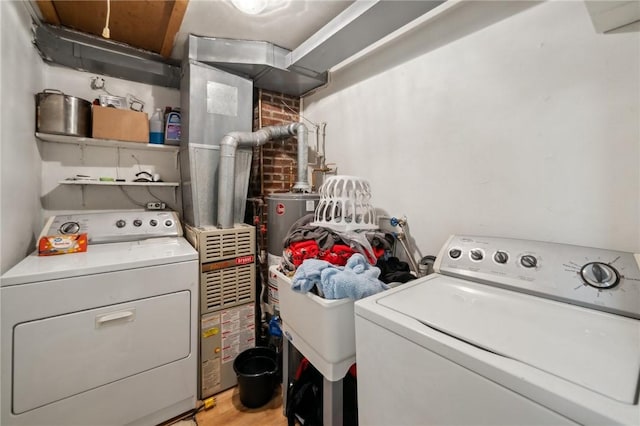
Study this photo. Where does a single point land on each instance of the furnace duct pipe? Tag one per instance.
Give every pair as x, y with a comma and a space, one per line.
231, 141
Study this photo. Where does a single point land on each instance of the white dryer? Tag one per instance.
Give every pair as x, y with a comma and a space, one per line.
507, 332
107, 336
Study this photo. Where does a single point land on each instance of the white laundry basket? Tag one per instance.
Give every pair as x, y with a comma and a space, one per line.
344, 205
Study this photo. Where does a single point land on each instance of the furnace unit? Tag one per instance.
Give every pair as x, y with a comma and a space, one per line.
227, 302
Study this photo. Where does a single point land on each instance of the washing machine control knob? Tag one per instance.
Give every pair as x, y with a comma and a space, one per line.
501, 257
476, 254
69, 228
455, 253
529, 261
120, 223
600, 275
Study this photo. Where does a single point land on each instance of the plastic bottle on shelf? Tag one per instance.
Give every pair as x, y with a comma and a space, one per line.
156, 127
172, 128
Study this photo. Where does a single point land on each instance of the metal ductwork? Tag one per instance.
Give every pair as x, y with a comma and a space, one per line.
357, 27
95, 54
213, 103
305, 68
269, 66
234, 140
260, 61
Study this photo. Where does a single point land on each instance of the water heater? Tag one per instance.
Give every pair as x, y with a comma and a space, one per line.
283, 210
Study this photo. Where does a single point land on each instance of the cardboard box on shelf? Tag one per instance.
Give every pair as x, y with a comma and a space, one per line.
120, 124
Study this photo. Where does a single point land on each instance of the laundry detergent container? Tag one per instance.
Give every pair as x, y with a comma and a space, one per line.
257, 373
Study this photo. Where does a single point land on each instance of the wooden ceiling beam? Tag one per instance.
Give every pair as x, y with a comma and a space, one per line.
48, 10
173, 26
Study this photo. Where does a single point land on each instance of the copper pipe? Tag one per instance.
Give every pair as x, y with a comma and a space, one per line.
291, 176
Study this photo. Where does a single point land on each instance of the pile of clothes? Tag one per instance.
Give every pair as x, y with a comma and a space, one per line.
337, 265
307, 241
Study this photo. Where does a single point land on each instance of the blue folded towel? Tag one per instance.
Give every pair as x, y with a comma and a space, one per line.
357, 279
308, 274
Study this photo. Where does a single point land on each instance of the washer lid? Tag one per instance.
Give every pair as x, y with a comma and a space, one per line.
593, 349
101, 258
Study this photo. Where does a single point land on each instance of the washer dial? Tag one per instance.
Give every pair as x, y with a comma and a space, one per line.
69, 228
476, 254
529, 261
600, 275
501, 257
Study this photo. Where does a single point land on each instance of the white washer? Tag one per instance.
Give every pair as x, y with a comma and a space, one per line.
107, 336
506, 332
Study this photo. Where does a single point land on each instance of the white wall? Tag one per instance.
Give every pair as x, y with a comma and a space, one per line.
78, 83
20, 79
496, 118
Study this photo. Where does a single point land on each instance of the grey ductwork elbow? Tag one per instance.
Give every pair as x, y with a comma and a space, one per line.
226, 171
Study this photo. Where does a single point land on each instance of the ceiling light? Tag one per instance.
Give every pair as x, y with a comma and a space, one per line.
251, 7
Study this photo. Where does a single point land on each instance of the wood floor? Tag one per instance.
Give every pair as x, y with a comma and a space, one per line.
229, 411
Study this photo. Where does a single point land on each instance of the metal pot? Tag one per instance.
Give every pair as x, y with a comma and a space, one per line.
61, 114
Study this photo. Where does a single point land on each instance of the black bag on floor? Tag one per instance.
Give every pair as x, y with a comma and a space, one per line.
304, 398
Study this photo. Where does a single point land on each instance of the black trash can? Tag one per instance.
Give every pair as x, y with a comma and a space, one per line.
257, 373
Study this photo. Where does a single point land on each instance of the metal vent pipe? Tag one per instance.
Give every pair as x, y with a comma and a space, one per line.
233, 140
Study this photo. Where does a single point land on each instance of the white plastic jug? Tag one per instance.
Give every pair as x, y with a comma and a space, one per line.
156, 127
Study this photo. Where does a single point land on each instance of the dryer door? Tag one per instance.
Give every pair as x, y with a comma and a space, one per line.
65, 355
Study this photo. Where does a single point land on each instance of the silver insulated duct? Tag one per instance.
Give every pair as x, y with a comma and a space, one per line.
227, 174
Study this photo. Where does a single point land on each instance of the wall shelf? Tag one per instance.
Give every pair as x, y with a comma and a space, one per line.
109, 183
84, 183
82, 141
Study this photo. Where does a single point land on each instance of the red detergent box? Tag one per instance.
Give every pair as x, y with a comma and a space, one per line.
62, 244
